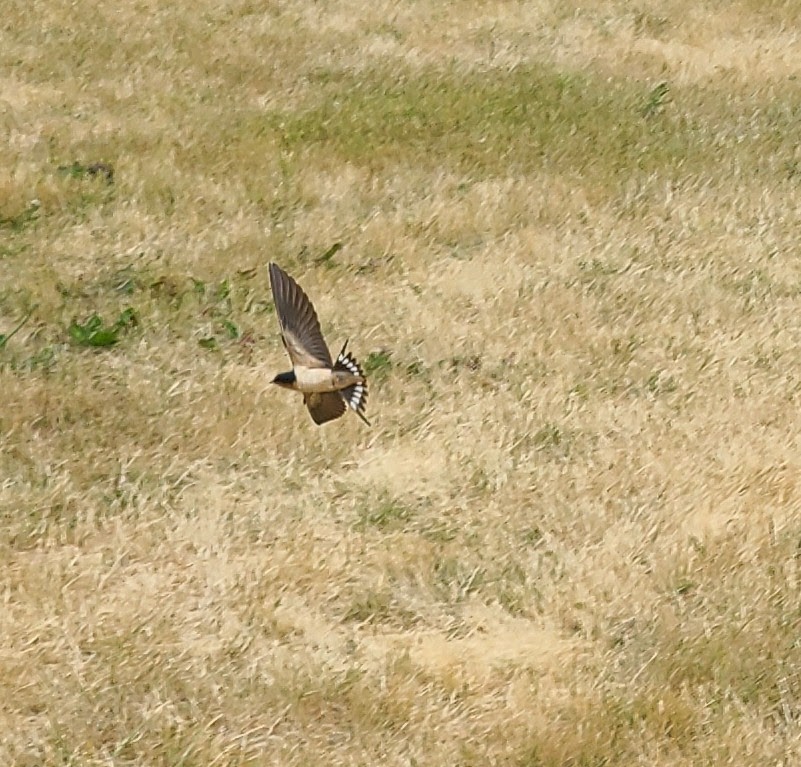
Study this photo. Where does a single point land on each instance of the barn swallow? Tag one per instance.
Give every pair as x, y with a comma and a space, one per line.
328, 388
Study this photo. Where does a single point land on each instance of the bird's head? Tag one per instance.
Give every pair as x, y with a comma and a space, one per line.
285, 379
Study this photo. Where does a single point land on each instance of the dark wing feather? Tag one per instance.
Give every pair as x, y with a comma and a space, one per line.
325, 406
300, 327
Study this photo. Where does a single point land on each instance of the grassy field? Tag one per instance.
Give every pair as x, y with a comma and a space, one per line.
564, 240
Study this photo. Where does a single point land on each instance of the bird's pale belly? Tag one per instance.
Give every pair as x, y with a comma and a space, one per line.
310, 380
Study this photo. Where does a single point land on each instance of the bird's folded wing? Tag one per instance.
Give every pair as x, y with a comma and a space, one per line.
300, 327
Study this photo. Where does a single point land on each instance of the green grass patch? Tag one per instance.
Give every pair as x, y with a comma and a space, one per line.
497, 123
96, 333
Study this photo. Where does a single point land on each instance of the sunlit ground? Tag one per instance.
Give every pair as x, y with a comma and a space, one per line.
563, 240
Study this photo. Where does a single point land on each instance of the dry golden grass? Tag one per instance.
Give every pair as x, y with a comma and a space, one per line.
570, 263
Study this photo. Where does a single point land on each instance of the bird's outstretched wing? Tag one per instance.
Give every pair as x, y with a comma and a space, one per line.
300, 327
325, 406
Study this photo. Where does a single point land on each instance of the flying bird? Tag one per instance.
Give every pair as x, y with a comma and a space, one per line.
328, 388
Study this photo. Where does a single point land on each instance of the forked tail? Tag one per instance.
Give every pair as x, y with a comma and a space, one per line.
355, 396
